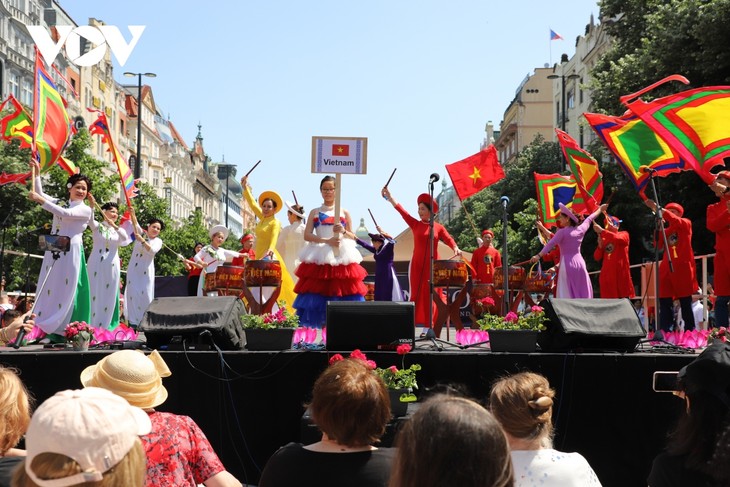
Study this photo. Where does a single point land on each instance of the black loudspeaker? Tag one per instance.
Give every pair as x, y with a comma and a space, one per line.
369, 325
590, 325
170, 321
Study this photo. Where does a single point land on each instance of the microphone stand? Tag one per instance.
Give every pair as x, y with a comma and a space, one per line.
4, 225
505, 256
658, 227
431, 334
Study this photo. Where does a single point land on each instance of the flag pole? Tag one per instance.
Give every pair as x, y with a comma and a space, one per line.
468, 217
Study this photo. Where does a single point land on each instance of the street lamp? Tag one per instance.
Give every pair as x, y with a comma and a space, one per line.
138, 160
562, 79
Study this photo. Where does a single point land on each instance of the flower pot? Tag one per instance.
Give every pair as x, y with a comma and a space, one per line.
523, 341
397, 408
275, 339
80, 345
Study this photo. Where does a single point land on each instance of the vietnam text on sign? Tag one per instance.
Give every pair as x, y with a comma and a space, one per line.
343, 155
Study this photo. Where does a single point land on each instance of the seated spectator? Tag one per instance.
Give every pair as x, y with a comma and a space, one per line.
15, 406
451, 441
351, 406
86, 437
523, 404
698, 452
178, 453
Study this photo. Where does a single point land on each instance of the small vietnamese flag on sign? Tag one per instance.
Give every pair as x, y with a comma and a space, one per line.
341, 150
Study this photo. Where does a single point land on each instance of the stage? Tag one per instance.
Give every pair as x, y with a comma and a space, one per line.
250, 403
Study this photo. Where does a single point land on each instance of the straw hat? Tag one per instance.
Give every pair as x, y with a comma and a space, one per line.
274, 196
132, 375
290, 207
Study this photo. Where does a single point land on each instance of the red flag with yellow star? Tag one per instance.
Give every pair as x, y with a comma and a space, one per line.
475, 173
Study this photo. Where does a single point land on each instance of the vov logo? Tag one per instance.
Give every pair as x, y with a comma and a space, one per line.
100, 36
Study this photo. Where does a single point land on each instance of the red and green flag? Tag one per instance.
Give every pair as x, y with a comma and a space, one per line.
635, 147
694, 123
101, 127
51, 123
475, 173
17, 124
585, 170
553, 189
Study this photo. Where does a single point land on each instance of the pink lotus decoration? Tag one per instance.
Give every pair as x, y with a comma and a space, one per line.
689, 339
122, 333
304, 334
470, 337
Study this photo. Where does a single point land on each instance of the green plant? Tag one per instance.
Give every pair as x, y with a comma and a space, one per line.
282, 318
534, 320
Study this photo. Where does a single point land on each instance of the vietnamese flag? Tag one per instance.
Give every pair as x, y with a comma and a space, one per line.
475, 173
341, 150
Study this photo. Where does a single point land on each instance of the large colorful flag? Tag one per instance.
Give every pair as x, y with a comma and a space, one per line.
475, 173
553, 189
51, 123
585, 170
636, 148
17, 124
101, 127
694, 123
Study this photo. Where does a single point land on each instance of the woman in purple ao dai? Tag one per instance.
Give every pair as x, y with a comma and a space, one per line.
573, 279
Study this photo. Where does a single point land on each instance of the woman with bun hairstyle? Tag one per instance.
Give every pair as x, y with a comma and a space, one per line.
104, 267
65, 294
523, 404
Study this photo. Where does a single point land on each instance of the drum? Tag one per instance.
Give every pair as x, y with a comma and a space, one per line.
262, 273
227, 280
449, 273
481, 291
537, 281
515, 279
370, 296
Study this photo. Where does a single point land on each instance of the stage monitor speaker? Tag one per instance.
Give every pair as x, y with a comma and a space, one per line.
369, 325
169, 321
590, 325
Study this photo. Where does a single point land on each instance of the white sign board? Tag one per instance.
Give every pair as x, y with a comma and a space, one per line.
339, 155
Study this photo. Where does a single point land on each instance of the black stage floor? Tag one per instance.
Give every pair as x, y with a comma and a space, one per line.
250, 403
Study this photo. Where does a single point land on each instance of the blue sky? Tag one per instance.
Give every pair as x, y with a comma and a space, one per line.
418, 79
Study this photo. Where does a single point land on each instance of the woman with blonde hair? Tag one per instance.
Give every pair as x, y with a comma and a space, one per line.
523, 404
452, 441
15, 405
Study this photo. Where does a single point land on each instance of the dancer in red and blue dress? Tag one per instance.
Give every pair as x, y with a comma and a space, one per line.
419, 267
329, 268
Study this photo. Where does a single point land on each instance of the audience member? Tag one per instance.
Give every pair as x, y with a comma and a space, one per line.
698, 451
15, 406
85, 437
451, 441
12, 322
178, 453
523, 404
351, 406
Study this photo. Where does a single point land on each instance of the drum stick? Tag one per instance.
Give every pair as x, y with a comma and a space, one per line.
251, 170
391, 177
295, 197
371, 216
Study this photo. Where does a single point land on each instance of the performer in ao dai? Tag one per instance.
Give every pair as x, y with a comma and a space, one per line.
104, 267
65, 294
140, 290
213, 255
291, 238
